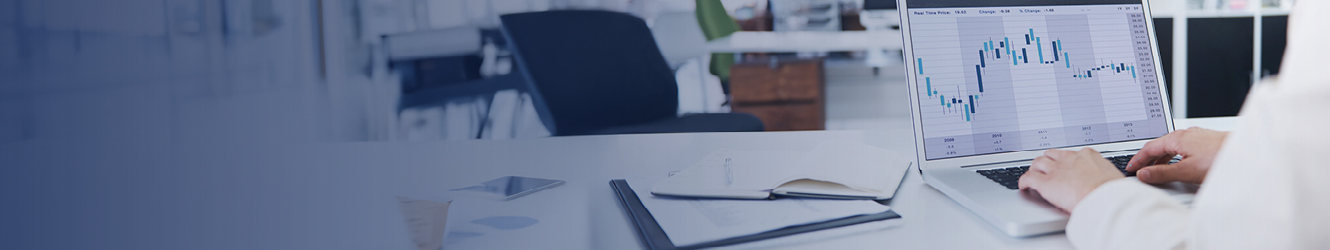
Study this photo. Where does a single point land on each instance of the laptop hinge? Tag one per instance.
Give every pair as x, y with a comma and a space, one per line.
994, 163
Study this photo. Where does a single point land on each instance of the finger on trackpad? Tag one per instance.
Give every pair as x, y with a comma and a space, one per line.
1033, 196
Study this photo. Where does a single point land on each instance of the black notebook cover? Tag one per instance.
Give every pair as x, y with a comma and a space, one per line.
654, 237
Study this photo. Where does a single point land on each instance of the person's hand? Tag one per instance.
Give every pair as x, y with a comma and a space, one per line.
1197, 147
1063, 178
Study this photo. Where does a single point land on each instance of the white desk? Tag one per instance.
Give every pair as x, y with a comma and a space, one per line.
341, 196
933, 221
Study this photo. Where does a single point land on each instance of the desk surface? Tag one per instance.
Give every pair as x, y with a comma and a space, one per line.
932, 221
806, 41
342, 196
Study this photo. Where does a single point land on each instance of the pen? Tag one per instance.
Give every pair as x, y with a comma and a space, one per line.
729, 173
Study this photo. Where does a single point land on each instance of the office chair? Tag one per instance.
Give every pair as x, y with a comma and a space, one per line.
600, 72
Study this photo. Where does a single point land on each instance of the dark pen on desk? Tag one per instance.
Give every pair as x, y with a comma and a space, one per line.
729, 173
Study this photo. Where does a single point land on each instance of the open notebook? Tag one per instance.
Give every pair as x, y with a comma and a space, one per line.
834, 169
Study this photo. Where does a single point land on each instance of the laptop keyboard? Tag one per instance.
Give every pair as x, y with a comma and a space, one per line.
1008, 177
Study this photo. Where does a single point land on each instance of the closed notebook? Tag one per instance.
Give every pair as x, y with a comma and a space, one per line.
834, 169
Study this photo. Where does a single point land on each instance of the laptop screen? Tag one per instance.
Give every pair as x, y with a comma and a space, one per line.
1042, 74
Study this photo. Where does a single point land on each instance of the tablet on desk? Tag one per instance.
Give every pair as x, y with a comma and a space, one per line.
512, 187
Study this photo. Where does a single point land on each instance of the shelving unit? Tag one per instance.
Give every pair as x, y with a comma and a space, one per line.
1178, 81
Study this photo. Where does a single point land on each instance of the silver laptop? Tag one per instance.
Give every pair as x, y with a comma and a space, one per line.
995, 83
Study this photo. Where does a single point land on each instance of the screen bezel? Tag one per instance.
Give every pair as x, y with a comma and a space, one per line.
983, 159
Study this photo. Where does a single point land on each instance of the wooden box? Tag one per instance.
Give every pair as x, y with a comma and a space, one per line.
786, 94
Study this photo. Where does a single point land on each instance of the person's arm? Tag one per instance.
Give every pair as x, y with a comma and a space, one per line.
1112, 212
1065, 177
1127, 214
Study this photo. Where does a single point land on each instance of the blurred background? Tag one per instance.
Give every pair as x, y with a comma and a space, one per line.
166, 72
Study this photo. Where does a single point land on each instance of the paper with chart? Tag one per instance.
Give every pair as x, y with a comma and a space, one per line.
426, 220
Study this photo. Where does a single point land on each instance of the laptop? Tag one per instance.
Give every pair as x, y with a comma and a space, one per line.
996, 83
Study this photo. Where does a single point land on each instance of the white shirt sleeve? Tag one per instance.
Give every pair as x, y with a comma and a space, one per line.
1269, 187
1128, 214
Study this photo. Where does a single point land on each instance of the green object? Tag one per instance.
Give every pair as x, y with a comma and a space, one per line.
716, 23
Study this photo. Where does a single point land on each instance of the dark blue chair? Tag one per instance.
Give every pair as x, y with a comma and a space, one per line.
600, 72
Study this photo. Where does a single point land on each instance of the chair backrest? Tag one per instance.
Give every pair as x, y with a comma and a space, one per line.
591, 70
679, 36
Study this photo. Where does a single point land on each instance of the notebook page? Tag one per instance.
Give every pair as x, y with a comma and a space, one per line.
692, 221
751, 172
856, 165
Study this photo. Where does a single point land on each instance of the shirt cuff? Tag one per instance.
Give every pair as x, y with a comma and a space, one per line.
1112, 216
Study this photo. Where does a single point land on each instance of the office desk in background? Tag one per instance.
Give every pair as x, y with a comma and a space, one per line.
806, 41
342, 196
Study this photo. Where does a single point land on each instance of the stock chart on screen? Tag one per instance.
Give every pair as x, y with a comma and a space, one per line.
1002, 79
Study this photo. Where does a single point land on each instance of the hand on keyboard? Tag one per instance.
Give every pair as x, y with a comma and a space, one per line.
1197, 146
1063, 178
1007, 176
